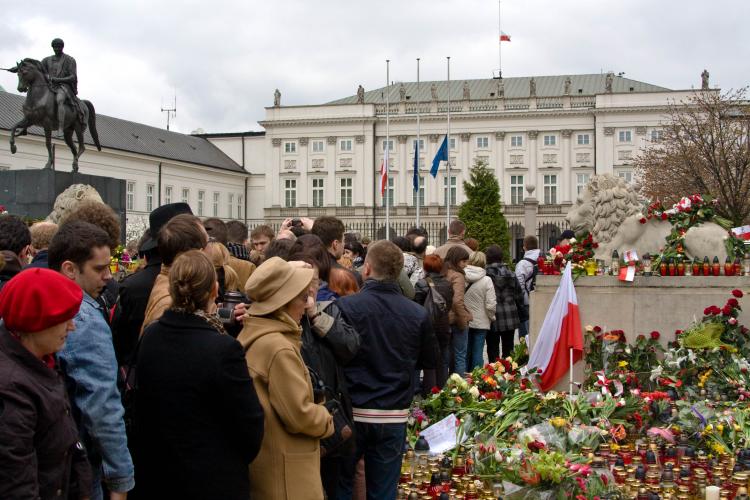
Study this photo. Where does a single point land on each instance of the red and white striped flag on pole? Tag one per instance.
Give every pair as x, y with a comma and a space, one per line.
504, 37
384, 174
560, 341
742, 232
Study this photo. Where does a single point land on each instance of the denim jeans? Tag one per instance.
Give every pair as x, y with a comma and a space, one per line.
459, 341
476, 347
382, 446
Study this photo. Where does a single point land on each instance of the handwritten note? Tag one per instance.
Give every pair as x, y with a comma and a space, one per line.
443, 435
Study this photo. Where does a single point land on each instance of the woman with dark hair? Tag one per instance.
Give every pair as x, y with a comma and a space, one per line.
456, 260
508, 294
355, 251
198, 415
435, 280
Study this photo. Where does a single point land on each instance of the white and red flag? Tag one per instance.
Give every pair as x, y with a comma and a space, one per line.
742, 232
504, 37
384, 174
560, 333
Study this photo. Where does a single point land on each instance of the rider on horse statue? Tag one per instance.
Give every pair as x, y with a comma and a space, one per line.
63, 78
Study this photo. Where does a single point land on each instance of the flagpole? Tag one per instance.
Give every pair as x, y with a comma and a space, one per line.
570, 377
448, 162
499, 44
387, 147
417, 148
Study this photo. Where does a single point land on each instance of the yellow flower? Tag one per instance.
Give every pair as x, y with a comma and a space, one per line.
720, 427
737, 428
558, 421
622, 364
718, 448
709, 428
614, 447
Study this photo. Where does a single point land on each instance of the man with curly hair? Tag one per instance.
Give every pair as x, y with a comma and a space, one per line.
15, 246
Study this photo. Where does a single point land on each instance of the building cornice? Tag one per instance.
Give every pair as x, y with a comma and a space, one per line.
267, 124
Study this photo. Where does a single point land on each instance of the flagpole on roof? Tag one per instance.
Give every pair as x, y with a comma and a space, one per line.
386, 194
417, 148
499, 44
448, 155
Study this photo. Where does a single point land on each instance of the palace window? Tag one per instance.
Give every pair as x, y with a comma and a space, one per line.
483, 142
657, 135
345, 145
581, 181
290, 147
149, 197
345, 185
625, 136
215, 207
230, 205
318, 191
583, 139
452, 190
390, 192
290, 193
318, 146
388, 145
201, 201
414, 145
516, 141
516, 189
419, 194
239, 206
130, 197
167, 195
550, 189
550, 140
626, 174
186, 195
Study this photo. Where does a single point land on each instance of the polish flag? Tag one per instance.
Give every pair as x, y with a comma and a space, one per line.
504, 37
742, 232
560, 332
384, 174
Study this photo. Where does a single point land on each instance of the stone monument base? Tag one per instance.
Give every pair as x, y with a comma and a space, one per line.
648, 303
32, 193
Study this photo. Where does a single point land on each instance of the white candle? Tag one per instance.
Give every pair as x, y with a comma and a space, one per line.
712, 492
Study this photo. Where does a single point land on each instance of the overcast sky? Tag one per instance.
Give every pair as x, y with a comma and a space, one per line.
225, 58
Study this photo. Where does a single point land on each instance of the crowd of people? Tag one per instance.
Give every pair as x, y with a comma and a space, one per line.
233, 364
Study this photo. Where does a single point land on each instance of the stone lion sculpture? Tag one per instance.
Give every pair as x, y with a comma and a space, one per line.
610, 209
72, 196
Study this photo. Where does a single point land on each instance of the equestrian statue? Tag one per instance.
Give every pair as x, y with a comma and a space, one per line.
51, 88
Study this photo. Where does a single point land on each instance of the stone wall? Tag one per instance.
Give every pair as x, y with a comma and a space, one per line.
648, 303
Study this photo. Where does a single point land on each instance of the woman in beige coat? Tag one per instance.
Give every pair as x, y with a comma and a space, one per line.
288, 465
454, 263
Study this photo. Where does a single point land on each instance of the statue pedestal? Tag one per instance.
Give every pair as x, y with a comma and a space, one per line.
32, 193
648, 303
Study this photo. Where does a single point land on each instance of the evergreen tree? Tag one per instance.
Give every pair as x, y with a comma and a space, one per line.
482, 212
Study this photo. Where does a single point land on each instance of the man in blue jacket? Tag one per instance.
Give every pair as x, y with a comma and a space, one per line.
80, 251
396, 341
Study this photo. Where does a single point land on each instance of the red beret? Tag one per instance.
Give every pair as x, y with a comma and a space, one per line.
37, 298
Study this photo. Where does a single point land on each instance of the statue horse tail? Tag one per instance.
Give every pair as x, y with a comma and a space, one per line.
92, 124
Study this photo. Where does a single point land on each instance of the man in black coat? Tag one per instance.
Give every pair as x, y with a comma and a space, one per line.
136, 288
15, 246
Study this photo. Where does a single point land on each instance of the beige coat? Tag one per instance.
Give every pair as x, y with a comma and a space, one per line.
159, 300
243, 268
288, 465
442, 250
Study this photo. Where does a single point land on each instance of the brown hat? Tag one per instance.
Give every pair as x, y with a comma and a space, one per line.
274, 284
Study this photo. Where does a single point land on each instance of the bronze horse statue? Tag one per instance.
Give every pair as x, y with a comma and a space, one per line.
40, 109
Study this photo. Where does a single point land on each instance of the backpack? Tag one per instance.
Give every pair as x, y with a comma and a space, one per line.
530, 282
434, 303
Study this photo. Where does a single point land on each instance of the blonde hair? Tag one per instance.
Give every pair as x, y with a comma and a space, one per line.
42, 233
478, 259
192, 279
219, 257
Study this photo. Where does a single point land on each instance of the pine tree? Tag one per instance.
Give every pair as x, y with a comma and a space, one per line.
482, 212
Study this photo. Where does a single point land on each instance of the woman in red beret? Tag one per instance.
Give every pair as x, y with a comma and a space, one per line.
40, 453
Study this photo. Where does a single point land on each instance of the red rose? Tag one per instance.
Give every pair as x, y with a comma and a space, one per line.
655, 335
642, 220
595, 245
598, 329
732, 302
744, 330
737, 293
726, 310
678, 332
707, 311
641, 337
435, 389
664, 216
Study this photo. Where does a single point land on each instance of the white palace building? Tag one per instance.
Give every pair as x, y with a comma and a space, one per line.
544, 137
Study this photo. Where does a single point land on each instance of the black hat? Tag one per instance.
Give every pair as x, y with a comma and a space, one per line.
158, 218
567, 234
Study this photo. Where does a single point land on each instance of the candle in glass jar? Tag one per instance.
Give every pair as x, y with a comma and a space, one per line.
712, 492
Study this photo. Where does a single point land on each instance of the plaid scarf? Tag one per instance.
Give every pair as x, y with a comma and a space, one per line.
238, 250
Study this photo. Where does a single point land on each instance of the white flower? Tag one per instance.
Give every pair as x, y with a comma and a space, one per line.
498, 456
454, 391
474, 391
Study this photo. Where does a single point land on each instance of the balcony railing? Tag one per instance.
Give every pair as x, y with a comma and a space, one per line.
488, 105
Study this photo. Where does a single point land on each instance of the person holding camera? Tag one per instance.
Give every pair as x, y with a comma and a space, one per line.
198, 417
288, 465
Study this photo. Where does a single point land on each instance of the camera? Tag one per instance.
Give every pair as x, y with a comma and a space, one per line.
226, 311
296, 222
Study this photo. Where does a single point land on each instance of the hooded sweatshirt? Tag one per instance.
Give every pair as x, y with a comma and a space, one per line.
480, 297
524, 270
